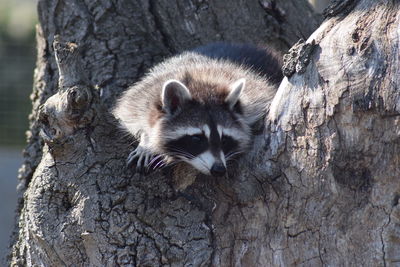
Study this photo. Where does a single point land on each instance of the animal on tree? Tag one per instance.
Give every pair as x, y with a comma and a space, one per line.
200, 106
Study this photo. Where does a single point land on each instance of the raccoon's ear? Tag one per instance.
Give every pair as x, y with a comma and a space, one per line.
234, 95
174, 94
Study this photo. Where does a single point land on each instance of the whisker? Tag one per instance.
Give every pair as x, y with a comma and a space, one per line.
151, 165
169, 164
159, 164
233, 160
156, 158
182, 152
177, 151
233, 153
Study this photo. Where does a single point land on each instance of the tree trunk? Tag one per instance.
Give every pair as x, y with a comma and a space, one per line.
335, 139
319, 188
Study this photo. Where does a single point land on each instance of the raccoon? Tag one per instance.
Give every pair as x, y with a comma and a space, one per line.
199, 107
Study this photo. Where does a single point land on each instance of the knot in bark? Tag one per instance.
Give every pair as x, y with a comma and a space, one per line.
298, 57
65, 112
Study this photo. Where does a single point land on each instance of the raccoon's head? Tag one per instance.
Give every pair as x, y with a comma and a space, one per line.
205, 129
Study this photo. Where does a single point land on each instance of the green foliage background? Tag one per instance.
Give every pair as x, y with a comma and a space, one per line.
17, 61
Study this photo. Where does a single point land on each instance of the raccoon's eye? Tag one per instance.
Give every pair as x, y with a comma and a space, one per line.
197, 143
195, 138
228, 144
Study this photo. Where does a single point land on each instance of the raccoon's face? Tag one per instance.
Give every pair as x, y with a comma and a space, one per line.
204, 135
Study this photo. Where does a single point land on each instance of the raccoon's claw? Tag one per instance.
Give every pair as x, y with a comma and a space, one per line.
141, 156
131, 157
144, 160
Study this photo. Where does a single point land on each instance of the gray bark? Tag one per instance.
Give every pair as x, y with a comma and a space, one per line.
319, 188
336, 141
79, 204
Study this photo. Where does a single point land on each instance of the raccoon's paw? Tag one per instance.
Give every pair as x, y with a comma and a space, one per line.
146, 162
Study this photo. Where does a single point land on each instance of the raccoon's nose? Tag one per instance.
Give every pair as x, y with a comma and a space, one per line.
218, 169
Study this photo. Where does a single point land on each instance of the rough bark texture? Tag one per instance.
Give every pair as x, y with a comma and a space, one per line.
335, 138
319, 188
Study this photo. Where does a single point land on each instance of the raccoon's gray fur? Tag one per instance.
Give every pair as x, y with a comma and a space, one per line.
196, 109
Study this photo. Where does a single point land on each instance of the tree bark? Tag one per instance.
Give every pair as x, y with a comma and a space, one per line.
320, 186
79, 204
335, 139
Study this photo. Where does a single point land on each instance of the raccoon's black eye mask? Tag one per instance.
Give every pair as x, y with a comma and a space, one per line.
192, 144
228, 144
198, 143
